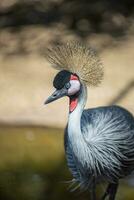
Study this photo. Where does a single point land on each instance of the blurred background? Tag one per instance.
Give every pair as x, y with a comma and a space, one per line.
32, 160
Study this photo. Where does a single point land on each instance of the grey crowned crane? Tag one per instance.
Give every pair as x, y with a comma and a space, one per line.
99, 142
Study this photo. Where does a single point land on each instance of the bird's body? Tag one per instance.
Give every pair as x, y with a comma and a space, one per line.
99, 142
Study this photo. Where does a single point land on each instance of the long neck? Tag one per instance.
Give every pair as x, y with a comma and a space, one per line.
74, 120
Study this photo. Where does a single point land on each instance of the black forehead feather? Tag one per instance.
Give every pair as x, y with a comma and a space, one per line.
61, 78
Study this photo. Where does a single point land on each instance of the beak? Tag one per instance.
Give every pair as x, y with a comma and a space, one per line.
56, 95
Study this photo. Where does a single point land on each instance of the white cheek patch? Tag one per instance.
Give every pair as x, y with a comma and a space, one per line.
75, 87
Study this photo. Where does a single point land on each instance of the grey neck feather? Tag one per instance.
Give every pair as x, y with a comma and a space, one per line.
74, 122
75, 116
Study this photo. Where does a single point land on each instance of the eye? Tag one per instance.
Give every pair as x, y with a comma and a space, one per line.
67, 85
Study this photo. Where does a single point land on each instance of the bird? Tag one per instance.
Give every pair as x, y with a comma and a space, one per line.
99, 142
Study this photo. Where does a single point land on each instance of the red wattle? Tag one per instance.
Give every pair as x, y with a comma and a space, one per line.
73, 104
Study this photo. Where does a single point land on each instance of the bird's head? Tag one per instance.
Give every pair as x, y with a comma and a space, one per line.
66, 84
77, 64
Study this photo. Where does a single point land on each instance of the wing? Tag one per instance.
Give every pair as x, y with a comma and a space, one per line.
109, 134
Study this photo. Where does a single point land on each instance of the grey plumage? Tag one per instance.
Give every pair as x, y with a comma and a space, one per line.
99, 142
